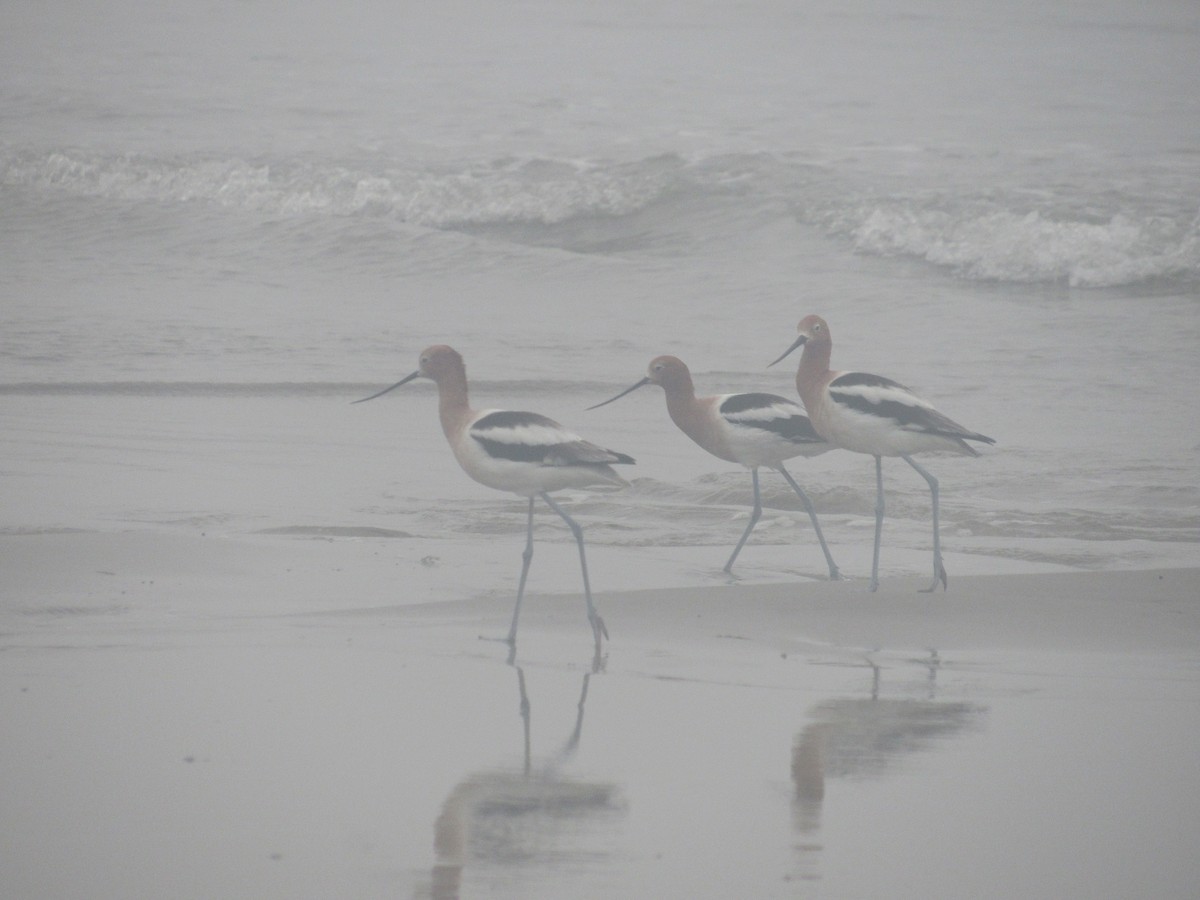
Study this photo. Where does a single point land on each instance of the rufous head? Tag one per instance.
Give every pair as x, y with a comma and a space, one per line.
436, 362
668, 371
815, 330
811, 330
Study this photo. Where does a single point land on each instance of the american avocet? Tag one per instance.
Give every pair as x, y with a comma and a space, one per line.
751, 429
521, 452
875, 415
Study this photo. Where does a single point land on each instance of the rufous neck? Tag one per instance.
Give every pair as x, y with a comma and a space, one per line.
814, 366
681, 398
454, 407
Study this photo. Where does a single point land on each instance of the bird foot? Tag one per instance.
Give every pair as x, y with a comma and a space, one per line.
598, 628
599, 661
939, 576
511, 640
599, 631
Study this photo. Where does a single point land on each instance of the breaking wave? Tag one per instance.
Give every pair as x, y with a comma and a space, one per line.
1013, 246
1088, 235
510, 190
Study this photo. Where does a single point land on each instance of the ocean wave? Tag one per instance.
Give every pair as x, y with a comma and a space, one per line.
537, 191
1009, 245
1085, 234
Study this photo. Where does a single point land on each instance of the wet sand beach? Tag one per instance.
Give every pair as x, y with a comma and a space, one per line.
176, 726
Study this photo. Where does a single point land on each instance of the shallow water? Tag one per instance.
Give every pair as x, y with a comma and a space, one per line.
302, 463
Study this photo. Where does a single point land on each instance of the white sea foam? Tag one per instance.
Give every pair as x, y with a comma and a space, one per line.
1007, 245
539, 191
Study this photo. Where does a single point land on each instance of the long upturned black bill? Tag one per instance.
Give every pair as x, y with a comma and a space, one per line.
405, 380
628, 390
799, 342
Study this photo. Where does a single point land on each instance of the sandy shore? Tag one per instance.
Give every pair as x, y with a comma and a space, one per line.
193, 716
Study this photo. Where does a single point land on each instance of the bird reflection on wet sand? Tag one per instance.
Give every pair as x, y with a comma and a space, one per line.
860, 738
505, 822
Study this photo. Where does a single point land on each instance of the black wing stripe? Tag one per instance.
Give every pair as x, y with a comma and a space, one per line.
794, 426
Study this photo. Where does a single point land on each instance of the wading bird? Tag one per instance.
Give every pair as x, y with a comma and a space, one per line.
751, 429
875, 415
521, 452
